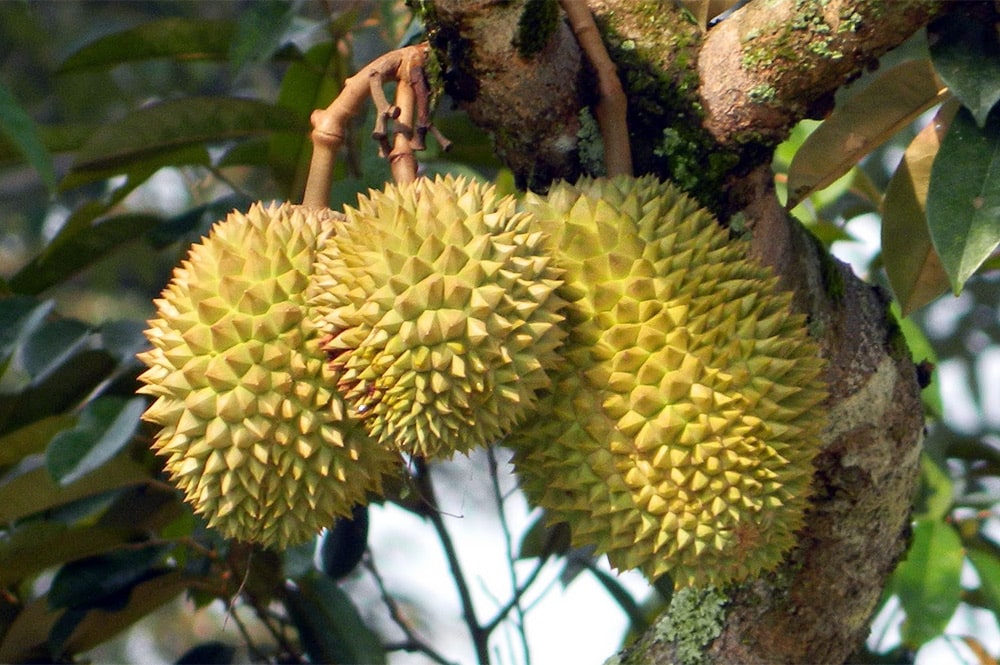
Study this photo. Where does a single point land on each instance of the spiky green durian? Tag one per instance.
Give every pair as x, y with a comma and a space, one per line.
253, 430
438, 299
680, 435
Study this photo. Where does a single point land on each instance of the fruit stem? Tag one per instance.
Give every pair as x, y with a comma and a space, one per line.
412, 104
612, 106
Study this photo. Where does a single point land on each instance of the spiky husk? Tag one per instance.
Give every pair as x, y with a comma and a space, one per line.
253, 430
680, 436
438, 301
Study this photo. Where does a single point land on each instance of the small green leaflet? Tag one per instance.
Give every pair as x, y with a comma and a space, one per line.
928, 581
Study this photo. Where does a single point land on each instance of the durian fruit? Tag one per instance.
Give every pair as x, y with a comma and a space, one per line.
679, 436
438, 301
253, 430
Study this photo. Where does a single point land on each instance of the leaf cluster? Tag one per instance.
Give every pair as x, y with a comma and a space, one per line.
940, 209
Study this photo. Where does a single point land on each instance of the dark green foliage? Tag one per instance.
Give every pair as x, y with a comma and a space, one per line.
331, 629
342, 547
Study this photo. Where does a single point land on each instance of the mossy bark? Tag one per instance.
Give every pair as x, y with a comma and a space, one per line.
707, 110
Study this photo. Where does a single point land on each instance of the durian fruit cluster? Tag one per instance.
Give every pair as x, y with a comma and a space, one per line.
658, 393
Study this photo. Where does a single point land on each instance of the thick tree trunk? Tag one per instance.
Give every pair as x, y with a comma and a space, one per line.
726, 97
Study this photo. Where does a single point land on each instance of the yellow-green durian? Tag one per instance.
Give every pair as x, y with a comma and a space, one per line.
253, 430
679, 436
438, 301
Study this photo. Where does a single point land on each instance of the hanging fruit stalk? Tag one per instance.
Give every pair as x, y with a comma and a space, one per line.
408, 117
613, 104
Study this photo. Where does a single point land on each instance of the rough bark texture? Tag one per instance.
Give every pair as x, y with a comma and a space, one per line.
727, 97
529, 104
773, 63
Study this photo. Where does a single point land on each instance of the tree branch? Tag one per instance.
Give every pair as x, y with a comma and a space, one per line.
772, 64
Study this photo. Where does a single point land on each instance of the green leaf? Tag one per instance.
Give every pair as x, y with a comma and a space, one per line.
928, 582
123, 339
18, 126
35, 546
921, 350
329, 625
52, 345
988, 568
105, 426
27, 488
56, 138
137, 167
963, 199
32, 439
87, 582
71, 254
966, 55
911, 263
27, 638
174, 37
261, 31
101, 625
178, 123
20, 316
543, 540
864, 122
49, 346
56, 392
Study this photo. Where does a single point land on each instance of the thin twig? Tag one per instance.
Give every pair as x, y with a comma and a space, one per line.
515, 603
612, 105
413, 641
480, 638
255, 652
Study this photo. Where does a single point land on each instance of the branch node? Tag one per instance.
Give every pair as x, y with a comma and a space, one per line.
411, 107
